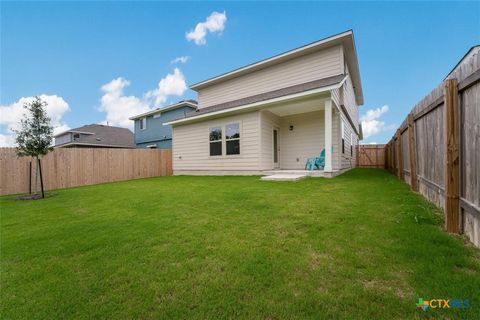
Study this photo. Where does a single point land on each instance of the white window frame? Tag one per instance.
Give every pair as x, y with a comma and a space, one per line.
223, 127
216, 141
143, 125
352, 144
233, 139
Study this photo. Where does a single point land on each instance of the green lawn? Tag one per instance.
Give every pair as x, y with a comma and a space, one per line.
359, 246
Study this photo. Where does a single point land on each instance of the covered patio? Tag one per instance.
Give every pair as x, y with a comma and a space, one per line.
295, 130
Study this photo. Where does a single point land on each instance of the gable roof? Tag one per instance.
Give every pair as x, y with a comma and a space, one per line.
345, 38
180, 104
101, 135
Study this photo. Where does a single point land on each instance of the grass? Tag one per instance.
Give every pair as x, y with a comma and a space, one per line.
359, 246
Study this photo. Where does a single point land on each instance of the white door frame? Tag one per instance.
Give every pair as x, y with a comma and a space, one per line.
276, 148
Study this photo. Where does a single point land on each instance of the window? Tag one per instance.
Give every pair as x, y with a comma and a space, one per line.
216, 141
76, 136
232, 138
351, 144
343, 136
143, 123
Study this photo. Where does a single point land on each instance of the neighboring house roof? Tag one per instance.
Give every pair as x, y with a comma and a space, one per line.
101, 136
180, 104
256, 101
473, 50
345, 38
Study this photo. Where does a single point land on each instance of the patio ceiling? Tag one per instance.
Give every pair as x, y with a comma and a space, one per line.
298, 106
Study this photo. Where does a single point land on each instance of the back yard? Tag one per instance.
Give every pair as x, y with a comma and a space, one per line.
357, 246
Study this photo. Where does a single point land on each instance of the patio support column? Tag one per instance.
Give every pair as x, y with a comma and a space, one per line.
328, 136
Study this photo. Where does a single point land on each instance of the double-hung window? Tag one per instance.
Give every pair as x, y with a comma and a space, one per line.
216, 141
230, 141
232, 138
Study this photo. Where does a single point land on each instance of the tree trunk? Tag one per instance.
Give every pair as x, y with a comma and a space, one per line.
41, 178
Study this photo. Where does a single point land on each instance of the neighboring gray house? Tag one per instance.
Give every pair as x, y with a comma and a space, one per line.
276, 113
149, 129
95, 135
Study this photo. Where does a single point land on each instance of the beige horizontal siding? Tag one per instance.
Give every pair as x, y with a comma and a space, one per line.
346, 159
318, 65
337, 148
191, 146
349, 100
305, 140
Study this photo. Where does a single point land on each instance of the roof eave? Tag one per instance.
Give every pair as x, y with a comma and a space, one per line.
167, 108
255, 105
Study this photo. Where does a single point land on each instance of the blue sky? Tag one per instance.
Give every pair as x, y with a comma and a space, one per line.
68, 51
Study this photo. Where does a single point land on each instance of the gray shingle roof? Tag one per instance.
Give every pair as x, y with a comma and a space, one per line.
325, 82
103, 135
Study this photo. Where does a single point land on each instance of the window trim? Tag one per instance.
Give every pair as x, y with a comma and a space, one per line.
215, 141
223, 125
233, 139
351, 144
142, 127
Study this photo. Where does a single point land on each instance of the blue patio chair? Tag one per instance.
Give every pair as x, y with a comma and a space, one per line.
316, 162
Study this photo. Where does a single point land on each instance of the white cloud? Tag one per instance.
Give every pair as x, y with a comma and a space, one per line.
10, 115
172, 85
7, 140
119, 107
371, 123
373, 114
60, 129
182, 59
214, 23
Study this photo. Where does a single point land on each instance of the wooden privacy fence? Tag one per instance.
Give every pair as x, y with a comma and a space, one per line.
371, 156
73, 167
437, 149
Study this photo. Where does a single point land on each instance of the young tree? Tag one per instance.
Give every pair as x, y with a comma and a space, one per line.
35, 137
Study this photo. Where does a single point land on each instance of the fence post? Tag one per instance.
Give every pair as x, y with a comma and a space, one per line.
400, 155
385, 159
412, 149
452, 163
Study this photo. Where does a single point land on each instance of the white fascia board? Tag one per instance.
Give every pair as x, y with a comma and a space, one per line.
167, 108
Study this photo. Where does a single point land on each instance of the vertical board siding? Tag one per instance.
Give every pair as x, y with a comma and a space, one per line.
74, 167
406, 157
371, 156
429, 132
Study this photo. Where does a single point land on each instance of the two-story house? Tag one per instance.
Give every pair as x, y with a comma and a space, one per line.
149, 128
275, 114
